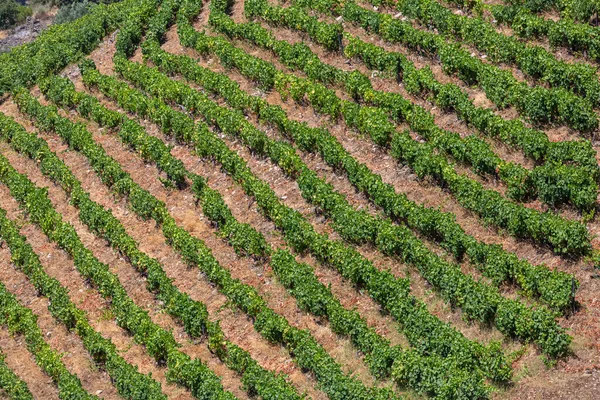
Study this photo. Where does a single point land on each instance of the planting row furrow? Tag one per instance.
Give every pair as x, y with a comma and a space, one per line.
562, 235
421, 82
484, 304
10, 384
22, 321
576, 10
575, 37
553, 183
534, 61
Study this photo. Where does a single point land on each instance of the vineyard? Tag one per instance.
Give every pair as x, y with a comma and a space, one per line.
309, 199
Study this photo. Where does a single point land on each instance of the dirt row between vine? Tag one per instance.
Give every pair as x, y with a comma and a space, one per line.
58, 265
354, 144
582, 324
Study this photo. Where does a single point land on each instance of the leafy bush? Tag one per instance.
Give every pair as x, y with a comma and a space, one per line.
12, 13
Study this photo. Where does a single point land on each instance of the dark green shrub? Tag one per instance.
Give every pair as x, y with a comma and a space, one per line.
12, 13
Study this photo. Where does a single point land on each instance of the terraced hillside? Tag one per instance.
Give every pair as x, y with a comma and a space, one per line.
320, 199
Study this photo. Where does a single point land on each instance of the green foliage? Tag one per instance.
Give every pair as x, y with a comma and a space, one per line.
577, 10
195, 252
298, 232
579, 184
493, 262
159, 343
12, 13
73, 11
129, 382
215, 209
534, 61
576, 37
432, 375
357, 226
60, 45
21, 320
540, 105
11, 384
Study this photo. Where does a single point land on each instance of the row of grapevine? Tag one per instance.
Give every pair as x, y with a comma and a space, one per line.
576, 10
534, 143
485, 304
192, 314
21, 320
160, 343
194, 251
553, 183
10, 384
421, 82
432, 375
520, 221
554, 287
415, 321
314, 139
130, 383
424, 374
62, 44
552, 178
534, 61
130, 34
562, 235
539, 104
576, 37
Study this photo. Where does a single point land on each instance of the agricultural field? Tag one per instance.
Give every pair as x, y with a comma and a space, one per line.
310, 199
